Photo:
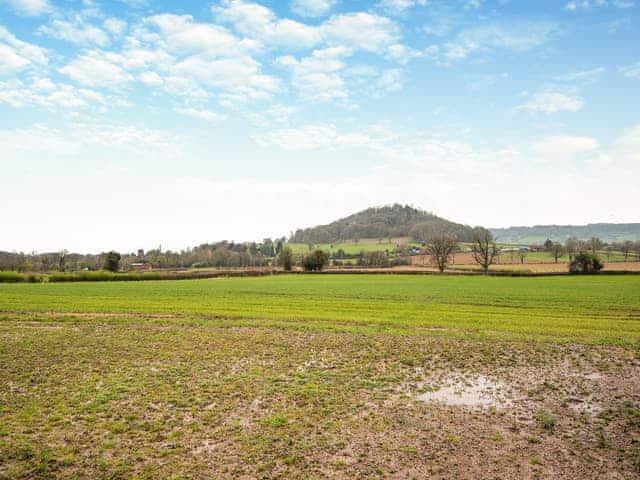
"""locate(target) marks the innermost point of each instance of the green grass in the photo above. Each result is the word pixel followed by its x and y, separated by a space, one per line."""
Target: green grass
pixel 595 309
pixel 352 247
pixel 313 376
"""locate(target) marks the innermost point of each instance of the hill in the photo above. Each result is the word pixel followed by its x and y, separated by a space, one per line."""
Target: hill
pixel 608 232
pixel 383 222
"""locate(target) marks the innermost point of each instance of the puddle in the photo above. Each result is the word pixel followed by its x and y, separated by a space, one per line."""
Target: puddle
pixel 584 406
pixel 478 392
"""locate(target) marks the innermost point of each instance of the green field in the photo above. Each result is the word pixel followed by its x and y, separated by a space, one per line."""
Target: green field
pixel 355 248
pixel 319 376
pixel 591 309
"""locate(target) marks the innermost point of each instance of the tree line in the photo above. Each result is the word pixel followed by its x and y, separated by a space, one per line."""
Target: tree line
pixel 219 254
pixel 440 247
pixel 584 256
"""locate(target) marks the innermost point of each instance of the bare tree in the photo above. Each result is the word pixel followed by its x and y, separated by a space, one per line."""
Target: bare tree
pixel 441 248
pixel 522 253
pixel 595 244
pixel 484 248
pixel 626 248
pixel 557 250
pixel 572 246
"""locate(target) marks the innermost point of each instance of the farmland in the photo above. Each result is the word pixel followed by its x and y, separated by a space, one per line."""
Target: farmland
pixel 321 376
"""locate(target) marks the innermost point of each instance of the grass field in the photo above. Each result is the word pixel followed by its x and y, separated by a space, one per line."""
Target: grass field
pixel 321 376
pixel 352 247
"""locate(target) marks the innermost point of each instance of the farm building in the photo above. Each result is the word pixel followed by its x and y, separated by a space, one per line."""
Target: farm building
pixel 141 267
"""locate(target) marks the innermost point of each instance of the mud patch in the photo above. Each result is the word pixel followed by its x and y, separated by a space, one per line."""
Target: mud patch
pixel 475 392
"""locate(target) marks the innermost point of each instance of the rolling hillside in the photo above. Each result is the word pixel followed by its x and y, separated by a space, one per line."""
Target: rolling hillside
pixel 383 222
pixel 608 232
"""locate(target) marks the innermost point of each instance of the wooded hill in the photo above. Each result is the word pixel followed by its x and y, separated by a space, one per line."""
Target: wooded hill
pixel 607 232
pixel 383 222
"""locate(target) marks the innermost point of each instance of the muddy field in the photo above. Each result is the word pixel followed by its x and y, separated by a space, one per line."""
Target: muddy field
pixel 290 377
pixel 465 260
pixel 132 400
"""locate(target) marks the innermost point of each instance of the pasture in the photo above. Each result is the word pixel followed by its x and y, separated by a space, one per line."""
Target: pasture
pixel 321 376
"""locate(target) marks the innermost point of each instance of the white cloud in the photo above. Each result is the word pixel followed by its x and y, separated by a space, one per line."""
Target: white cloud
pixel 519 37
pixel 403 54
pixel 312 137
pixel 577 5
pixel 115 26
pixel 45 93
pixel 400 6
pixel 276 114
pixel 77 33
pixel 30 8
pixel 201 114
pixel 184 87
pixel 95 68
pixel 551 102
pixel 626 150
pixel 180 34
pixel 318 77
pixel 391 80
pixel 564 147
pixel 632 71
pixel 38 139
pixel 16 55
pixel 311 8
pixel 586 76
pixel 190 58
pixel 241 75
pixel 361 30
pixel 130 136
pixel 151 78
pixel 260 23
pixel 83 137
pixel 413 168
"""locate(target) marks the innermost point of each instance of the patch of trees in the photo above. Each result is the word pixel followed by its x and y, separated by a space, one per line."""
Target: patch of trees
pixel 383 222
pixel 315 261
pixel 285 259
pixel 220 254
pixel 585 262
pixel 377 259
pixel 112 261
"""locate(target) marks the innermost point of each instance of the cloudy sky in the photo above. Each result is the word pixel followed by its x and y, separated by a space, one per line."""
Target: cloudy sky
pixel 127 124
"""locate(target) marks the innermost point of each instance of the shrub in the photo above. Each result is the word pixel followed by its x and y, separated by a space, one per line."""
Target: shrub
pixel 315 261
pixel 545 420
pixel 585 262
pixel 11 277
pixel 112 261
pixel 34 278
pixel 102 276
pixel 285 259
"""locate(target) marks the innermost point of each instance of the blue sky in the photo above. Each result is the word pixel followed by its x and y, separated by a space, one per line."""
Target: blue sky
pixel 126 124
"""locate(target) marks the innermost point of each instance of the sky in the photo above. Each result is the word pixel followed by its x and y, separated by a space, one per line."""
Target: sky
pixel 129 124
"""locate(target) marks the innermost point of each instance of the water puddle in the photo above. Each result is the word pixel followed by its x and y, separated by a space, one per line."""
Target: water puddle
pixel 478 392
pixel 584 406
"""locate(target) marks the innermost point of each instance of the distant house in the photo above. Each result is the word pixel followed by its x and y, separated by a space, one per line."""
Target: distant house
pixel 141 267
